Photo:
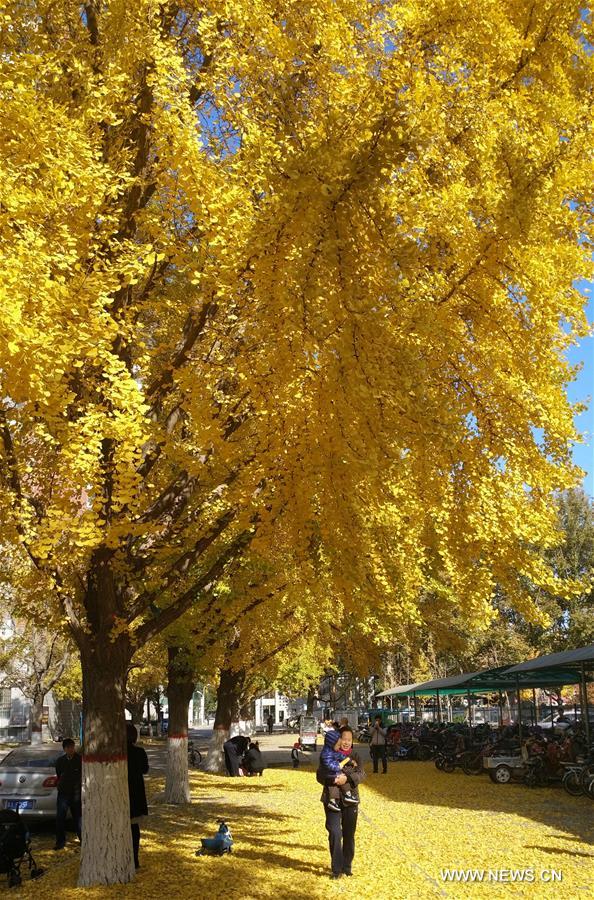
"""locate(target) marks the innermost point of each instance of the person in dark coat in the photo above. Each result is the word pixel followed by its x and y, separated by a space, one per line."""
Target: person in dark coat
pixel 69 772
pixel 234 750
pixel 341 827
pixel 138 767
pixel 253 760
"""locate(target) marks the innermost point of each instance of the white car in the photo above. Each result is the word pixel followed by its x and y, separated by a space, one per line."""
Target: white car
pixel 28 781
pixel 559 722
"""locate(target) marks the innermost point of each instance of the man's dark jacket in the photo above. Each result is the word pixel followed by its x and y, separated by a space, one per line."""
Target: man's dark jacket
pixel 69 772
pixel 138 766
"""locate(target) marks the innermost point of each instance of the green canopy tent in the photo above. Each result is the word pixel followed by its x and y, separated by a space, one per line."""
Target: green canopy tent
pixel 405 690
pixel 487 680
pixel 579 662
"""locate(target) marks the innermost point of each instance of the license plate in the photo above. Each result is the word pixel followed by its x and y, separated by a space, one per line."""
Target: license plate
pixel 19 804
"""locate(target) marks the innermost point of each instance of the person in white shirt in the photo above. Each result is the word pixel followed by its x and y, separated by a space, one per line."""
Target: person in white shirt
pixel 377 745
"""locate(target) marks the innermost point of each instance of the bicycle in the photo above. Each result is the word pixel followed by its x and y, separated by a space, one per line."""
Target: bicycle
pixel 572 779
pixel 587 776
pixel 194 755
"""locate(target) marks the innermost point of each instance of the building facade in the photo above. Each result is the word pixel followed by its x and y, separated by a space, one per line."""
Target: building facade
pixel 61 718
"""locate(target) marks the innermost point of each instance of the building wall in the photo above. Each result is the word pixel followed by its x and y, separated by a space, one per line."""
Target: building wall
pixel 275 704
pixel 63 717
pixel 14 715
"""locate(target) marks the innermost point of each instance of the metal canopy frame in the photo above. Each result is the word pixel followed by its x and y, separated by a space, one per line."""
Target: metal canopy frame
pixel 550 670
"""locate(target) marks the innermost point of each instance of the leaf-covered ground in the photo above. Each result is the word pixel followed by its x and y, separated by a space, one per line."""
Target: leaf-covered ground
pixel 414 822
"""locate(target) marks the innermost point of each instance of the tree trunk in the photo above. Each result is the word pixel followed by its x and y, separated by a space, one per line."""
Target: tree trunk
pixel 36 718
pixel 179 693
pixel 136 710
pixel 311 699
pixel 228 699
pixel 158 713
pixel 106 851
pixel 247 716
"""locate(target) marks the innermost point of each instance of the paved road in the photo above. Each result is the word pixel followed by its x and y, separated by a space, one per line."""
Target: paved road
pixel 276 749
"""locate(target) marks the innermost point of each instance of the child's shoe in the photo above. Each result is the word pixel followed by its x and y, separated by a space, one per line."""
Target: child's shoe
pixel 333 805
pixel 350 798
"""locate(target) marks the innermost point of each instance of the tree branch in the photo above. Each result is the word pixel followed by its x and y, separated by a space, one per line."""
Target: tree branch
pixel 182 564
pixel 205 584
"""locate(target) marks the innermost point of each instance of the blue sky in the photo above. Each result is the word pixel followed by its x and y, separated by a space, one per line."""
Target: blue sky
pixel 583 389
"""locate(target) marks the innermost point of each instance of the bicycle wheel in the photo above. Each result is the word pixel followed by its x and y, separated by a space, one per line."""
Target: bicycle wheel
pixel 448 765
pixel 424 753
pixel 472 763
pixel 587 779
pixel 194 758
pixel 572 783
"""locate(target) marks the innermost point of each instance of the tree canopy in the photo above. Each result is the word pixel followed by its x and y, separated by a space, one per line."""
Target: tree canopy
pixel 292 277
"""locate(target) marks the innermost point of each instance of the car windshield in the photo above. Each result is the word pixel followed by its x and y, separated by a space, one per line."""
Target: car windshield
pixel 31 759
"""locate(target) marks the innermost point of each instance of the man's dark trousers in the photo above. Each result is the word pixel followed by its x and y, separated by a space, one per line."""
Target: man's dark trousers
pixel 67 802
pixel 341 829
pixel 379 751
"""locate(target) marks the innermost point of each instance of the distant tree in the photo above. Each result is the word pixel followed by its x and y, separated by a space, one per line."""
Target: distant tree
pixel 33 660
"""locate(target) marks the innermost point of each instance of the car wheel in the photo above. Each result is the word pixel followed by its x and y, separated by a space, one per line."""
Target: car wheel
pixel 501 775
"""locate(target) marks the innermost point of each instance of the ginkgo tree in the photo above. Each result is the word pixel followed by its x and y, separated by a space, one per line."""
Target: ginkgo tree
pixel 266 622
pixel 279 267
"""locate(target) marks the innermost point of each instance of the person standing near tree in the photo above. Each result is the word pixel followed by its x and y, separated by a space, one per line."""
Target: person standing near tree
pixel 341 826
pixel 138 766
pixel 69 772
pixel 270 723
pixel 377 745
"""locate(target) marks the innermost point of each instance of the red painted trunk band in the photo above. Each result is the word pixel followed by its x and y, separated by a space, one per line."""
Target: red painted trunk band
pixel 180 735
pixel 104 757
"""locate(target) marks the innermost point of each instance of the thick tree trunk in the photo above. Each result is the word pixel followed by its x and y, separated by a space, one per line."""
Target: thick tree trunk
pixel 228 699
pixel 106 852
pixel 36 718
pixel 179 693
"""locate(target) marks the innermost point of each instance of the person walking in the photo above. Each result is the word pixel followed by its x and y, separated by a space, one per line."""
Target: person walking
pixel 69 772
pixel 377 745
pixel 341 826
pixel 270 723
pixel 138 766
